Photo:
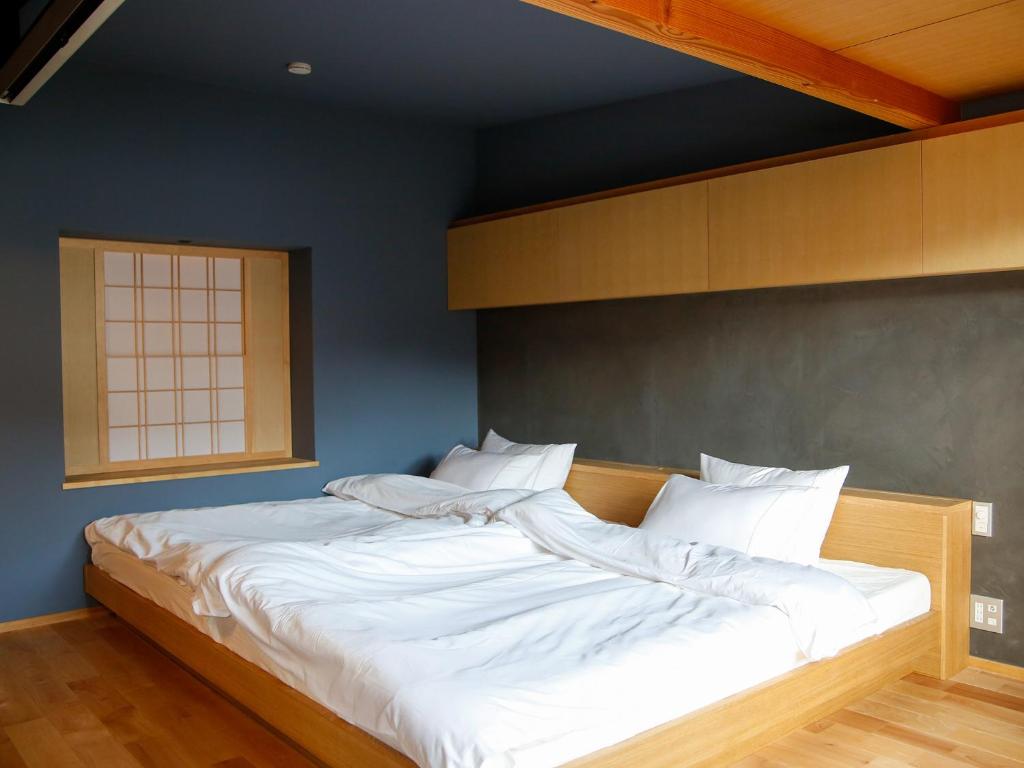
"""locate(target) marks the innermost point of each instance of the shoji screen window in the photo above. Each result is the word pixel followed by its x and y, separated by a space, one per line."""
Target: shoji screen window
pixel 174 357
pixel 173 349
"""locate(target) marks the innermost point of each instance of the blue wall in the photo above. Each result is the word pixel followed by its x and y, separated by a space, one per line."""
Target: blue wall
pixel 991 105
pixel 654 137
pixel 394 371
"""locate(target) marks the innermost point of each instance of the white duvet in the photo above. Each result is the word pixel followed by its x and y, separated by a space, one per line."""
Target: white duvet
pixel 502 628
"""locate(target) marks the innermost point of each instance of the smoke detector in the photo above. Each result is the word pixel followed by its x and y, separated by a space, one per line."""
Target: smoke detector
pixel 300 68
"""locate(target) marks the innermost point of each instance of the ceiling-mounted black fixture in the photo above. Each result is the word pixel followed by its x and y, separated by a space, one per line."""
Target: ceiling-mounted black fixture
pixel 33 55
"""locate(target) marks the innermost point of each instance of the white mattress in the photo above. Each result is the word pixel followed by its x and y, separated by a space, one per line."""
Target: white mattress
pixel 895 595
pixel 143 578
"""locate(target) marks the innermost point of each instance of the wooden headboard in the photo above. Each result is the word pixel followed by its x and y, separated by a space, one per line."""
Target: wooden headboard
pixel 927 534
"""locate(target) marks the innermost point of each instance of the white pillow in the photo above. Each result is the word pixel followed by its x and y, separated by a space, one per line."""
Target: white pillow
pixel 820 506
pixel 553 470
pixel 481 471
pixel 758 520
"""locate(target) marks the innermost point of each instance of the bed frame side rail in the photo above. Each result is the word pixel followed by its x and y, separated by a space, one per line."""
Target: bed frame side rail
pixel 927 534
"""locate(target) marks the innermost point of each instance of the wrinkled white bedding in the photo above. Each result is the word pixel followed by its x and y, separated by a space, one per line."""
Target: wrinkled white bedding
pixel 491 629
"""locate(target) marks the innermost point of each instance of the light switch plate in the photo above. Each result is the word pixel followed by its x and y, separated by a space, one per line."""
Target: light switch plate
pixel 987 613
pixel 981 519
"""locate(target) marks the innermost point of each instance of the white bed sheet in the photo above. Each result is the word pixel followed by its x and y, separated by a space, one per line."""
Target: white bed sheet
pixel 721 670
pixel 896 595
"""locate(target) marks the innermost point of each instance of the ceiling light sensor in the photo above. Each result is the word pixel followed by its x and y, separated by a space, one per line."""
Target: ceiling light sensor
pixel 300 68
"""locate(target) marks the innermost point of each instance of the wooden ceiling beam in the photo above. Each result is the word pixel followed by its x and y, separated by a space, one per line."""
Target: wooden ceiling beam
pixel 706 31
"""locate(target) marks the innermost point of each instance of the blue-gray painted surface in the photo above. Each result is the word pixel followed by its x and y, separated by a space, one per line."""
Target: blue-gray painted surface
pixel 149 158
pixel 471 62
pixel 655 137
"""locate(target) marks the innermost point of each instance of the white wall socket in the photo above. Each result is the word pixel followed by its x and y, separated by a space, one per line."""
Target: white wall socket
pixel 987 613
pixel 981 520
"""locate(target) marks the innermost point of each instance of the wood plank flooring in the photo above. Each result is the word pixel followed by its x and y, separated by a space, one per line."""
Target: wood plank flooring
pixel 975 719
pixel 92 693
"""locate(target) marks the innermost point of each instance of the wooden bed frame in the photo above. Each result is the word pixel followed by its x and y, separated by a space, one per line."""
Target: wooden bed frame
pixel 922 533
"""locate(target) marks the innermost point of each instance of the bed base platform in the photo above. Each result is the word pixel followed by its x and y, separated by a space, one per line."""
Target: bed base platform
pixel 921 533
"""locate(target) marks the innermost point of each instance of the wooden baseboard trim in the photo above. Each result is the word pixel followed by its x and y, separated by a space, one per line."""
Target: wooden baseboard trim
pixel 51 618
pixel 1011 671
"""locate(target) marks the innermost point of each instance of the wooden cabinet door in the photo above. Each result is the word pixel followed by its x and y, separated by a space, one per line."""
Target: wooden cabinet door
pixel 644 244
pixel 974 201
pixel 836 219
pixel 503 263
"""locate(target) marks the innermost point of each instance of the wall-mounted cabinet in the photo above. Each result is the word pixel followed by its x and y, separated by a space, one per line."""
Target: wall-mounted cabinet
pixel 919 204
pixel 645 244
pixel 504 262
pixel 974 201
pixel 850 217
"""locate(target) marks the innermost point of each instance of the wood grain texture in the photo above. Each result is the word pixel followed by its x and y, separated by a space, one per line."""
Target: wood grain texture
pixel 927 534
pixel 891 529
pixel 906 137
pixel 92 693
pixel 180 249
pixel 504 263
pixel 974 201
pixel 952 202
pixel 124 694
pixel 128 477
pixel 646 244
pixel 651 243
pixel 965 57
pixel 319 731
pixel 997 668
pixel 898 532
pixel 724 732
pixel 840 25
pixel 975 719
pixel 78 357
pixel 47 619
pixel 852 217
pixel 710 32
pixel 714 735
pixel 100 347
pixel 267 358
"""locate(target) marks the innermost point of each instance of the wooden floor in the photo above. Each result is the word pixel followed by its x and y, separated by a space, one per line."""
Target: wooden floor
pixel 93 693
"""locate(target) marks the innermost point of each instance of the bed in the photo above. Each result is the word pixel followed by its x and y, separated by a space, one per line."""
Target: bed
pixel 920 602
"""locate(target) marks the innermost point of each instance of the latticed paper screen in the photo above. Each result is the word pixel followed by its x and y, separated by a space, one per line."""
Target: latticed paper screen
pixel 173 345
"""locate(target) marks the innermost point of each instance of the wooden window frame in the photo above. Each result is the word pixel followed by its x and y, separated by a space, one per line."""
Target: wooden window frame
pixel 105 472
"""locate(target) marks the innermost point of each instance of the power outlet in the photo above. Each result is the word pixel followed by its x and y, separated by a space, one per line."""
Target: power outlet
pixel 987 613
pixel 981 520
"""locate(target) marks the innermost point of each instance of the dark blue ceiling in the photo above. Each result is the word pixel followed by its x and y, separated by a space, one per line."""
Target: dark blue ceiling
pixel 475 62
